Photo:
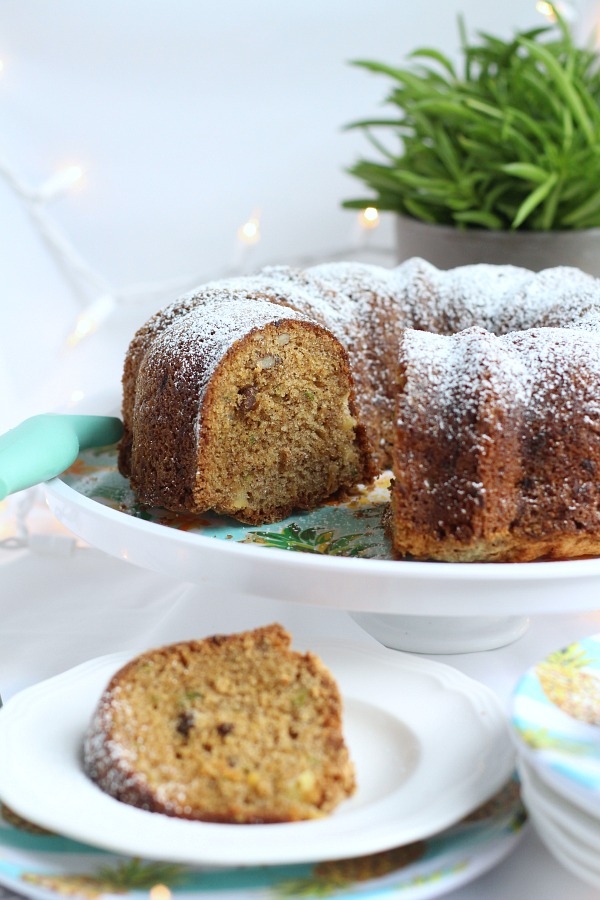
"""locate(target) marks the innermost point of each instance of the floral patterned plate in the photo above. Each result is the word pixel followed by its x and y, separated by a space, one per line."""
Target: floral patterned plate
pixel 44 866
pixel 556 719
pixel 353 528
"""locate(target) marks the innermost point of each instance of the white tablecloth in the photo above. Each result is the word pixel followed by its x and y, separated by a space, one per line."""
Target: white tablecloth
pixel 59 610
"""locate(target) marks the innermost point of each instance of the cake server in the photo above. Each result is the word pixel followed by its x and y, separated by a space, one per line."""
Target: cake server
pixel 45 445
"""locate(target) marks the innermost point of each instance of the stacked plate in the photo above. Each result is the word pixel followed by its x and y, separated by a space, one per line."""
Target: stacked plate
pixel 437 804
pixel 556 724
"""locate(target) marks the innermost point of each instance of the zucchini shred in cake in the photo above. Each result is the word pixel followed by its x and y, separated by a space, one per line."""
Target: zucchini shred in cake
pixel 233 728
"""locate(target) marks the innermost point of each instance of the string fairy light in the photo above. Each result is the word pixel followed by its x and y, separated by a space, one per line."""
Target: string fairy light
pixel 369 217
pixel 76 397
pixel 249 232
pixel 94 294
pixel 247 236
pixel 59 183
pixel 549 10
pixel 87 282
pixel 96 297
pixel 6 527
pixel 367 220
pixel 92 318
pixel 545 9
pixel 84 280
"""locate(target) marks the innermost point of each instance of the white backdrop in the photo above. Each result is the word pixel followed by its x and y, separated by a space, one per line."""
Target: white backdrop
pixel 187 118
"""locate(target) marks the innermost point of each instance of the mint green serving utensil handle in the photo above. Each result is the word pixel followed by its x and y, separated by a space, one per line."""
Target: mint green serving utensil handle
pixel 44 446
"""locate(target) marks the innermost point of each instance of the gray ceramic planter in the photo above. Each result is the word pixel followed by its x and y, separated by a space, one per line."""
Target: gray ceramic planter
pixel 447 247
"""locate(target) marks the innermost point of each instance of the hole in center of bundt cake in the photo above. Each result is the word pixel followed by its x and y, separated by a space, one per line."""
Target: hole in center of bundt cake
pixel 278 429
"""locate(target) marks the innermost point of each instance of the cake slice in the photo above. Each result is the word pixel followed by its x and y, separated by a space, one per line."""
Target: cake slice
pixel 234 728
pixel 244 408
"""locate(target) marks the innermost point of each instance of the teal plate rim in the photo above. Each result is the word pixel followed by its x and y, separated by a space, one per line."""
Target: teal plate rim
pixel 43 865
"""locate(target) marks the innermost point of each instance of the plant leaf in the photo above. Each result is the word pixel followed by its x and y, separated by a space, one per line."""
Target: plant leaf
pixel 563 83
pixel 592 205
pixel 372 123
pixel 526 170
pixel 513 142
pixel 486 108
pixel 429 53
pixel 534 200
pixel 479 217
pixel 419 210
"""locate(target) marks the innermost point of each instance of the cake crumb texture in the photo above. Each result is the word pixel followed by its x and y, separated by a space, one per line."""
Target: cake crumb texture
pixel 233 728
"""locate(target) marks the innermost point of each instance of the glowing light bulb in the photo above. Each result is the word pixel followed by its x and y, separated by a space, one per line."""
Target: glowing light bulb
pixel 91 319
pixel 160 892
pixel 249 232
pixel 84 326
pixel 61 182
pixel 546 9
pixel 369 217
pixel 75 397
pixel 549 9
pixel 73 174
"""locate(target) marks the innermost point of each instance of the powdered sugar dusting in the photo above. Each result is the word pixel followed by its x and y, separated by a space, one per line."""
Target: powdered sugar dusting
pixel 515 421
pixel 368 307
pixel 344 296
pixel 516 370
pixel 107 761
pixel 197 340
pixel 485 351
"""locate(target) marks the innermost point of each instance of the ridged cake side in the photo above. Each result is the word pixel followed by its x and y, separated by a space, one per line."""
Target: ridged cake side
pixel 498 446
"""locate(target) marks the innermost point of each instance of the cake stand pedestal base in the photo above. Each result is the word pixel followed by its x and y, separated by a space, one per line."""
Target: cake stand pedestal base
pixel 442 634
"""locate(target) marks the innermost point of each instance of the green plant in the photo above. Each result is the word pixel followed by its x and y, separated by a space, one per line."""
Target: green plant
pixel 513 142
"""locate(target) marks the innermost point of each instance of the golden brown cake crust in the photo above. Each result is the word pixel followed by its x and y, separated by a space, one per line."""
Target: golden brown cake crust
pixel 233 728
pixel 512 422
pixel 505 472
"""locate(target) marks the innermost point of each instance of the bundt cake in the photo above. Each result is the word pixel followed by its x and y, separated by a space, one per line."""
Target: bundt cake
pixel 478 386
pixel 233 728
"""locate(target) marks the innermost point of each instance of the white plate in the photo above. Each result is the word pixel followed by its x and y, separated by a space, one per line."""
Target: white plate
pixel 563 851
pixel 578 828
pixel 418 606
pixel 573 853
pixel 429 744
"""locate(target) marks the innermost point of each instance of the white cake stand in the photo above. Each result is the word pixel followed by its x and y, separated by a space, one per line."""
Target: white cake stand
pixel 414 606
